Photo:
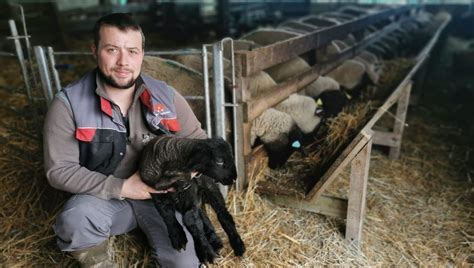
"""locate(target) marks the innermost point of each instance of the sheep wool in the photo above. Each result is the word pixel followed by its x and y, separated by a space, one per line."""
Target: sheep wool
pixel 349 74
pixel 303 111
pixel 260 84
pixel 322 84
pixel 271 126
pixel 285 70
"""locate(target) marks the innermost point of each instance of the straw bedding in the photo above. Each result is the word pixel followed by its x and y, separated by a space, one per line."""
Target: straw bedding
pixel 419 208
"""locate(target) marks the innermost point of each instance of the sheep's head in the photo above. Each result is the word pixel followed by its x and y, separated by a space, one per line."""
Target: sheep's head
pixel 214 158
pixel 280 150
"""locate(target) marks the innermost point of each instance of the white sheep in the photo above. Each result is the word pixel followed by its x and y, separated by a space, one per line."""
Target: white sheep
pixel 349 74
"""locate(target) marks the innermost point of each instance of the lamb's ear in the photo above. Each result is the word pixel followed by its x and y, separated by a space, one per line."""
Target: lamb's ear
pixel 199 158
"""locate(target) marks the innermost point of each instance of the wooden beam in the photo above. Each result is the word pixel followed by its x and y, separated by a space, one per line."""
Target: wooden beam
pixel 400 117
pixel 385 138
pixel 326 205
pixel 267 56
pixel 339 164
pixel 357 194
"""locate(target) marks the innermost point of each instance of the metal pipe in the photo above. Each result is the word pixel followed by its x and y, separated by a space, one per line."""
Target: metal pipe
pixel 44 74
pixel 27 42
pixel 218 76
pixel 7 54
pixel 234 106
pixel 21 59
pixel 205 72
pixel 219 100
pixel 55 73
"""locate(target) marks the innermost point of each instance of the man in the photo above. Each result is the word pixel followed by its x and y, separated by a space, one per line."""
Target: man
pixel 94 132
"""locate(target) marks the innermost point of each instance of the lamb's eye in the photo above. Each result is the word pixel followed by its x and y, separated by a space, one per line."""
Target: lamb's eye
pixel 220 162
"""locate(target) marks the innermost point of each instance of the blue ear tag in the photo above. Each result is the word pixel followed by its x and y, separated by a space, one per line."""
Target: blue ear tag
pixel 296 144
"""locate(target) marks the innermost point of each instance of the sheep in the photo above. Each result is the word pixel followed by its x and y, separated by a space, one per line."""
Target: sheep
pixel 321 84
pixel 327 91
pixel 167 162
pixel 304 112
pixel 350 75
pixel 279 134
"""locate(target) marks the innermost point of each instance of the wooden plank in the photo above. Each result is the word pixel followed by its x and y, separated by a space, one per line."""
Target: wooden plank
pixel 385 138
pixel 265 57
pixel 326 205
pixel 339 164
pixel 280 92
pixel 357 194
pixel 400 117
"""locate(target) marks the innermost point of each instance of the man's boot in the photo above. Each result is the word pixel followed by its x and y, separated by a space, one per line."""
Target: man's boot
pixel 95 257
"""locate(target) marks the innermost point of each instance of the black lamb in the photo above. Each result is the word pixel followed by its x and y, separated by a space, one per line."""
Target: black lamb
pixel 169 161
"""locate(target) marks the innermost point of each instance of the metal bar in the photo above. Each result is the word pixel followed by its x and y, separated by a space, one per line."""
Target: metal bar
pixel 7 54
pixel 28 44
pixel 219 100
pixel 21 59
pixel 219 90
pixel 44 74
pixel 264 57
pixel 205 72
pixel 235 117
pixel 55 73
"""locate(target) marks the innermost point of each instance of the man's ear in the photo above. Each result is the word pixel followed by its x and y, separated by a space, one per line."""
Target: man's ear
pixel 94 51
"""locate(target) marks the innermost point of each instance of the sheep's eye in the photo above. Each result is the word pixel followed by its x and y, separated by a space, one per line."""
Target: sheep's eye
pixel 219 162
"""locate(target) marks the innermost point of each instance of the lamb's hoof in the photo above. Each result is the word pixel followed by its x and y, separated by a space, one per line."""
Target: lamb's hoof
pixel 206 256
pixel 238 247
pixel 216 243
pixel 179 240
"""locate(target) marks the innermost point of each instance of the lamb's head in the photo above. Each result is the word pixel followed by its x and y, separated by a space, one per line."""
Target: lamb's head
pixel 213 157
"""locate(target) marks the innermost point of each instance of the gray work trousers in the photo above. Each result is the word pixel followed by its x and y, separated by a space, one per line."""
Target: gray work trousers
pixel 86 221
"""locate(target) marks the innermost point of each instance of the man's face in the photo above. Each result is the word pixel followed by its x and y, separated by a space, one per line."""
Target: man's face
pixel 119 56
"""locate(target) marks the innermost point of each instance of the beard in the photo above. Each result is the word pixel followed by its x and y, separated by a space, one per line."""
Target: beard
pixel 109 80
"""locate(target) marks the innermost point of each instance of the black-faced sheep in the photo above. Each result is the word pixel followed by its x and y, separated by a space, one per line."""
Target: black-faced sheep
pixel 327 91
pixel 279 134
pixel 169 161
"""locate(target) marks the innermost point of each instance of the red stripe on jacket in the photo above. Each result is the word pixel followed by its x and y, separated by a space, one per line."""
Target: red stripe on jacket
pixel 85 134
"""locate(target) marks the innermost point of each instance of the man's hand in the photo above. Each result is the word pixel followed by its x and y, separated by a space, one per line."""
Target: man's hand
pixel 135 188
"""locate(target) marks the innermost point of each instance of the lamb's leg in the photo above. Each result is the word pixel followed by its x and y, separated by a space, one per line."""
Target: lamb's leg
pixel 210 232
pixel 175 230
pixel 193 221
pixel 217 202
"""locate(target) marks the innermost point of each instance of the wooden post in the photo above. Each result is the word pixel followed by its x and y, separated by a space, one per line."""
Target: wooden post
pixel 357 194
pixel 400 118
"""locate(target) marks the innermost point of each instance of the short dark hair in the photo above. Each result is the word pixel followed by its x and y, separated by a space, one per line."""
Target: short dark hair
pixel 123 21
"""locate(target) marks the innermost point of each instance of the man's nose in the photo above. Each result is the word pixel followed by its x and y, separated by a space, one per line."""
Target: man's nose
pixel 122 59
